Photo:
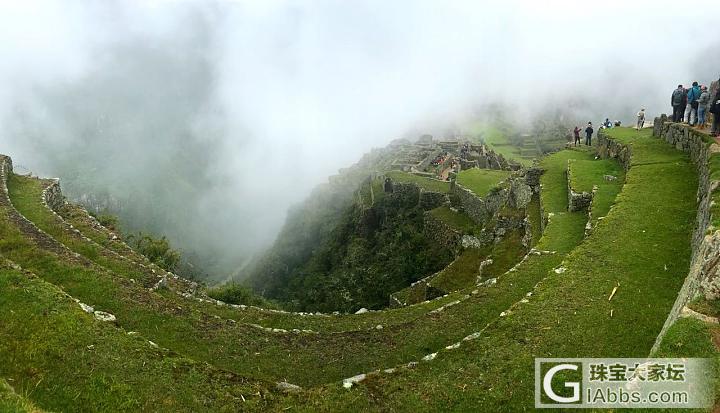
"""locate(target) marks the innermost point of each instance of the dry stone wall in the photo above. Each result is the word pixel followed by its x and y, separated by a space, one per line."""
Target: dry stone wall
pixel 442 233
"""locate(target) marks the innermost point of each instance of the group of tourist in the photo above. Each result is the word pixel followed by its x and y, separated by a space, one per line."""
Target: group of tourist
pixel 692 105
pixel 588 134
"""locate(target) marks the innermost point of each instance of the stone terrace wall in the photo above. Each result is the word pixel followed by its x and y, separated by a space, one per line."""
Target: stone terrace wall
pixel 53 195
pixel 410 194
pixel 479 209
pixel 442 233
pixel 704 274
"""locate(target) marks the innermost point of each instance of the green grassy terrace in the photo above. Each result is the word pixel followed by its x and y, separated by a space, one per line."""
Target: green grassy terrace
pixel 456 220
pixel 428 184
pixel 569 314
pixel 549 304
pixel 481 181
pixel 189 332
pixel 498 141
pixel 584 174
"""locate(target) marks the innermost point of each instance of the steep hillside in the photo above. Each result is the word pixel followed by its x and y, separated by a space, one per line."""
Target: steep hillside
pixel 86 323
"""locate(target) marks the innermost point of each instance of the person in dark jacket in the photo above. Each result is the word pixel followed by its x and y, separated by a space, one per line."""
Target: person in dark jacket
pixel 588 134
pixel 676 101
pixel 576 133
pixel 715 110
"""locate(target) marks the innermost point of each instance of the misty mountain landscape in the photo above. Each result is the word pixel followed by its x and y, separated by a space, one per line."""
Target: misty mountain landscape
pixel 365 206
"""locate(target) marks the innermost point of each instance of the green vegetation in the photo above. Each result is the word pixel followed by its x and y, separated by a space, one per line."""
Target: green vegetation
pixel 481 181
pixel 428 184
pixel 80 220
pixel 501 139
pixel 456 220
pixel 109 221
pixel 585 174
pixel 80 362
pixel 11 402
pixel 569 314
pixel 157 250
pixel 234 293
pixel 552 303
pixel 372 253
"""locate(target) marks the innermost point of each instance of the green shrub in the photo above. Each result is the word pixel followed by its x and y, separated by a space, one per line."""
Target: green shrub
pixel 234 293
pixel 109 221
pixel 157 250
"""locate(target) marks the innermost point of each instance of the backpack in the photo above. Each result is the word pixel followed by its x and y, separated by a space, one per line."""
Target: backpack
pixel 677 97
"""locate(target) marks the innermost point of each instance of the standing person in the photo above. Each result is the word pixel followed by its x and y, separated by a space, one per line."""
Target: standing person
pixel 676 100
pixel 641 119
pixel 588 134
pixel 683 107
pixel 715 110
pixel 693 94
pixel 703 101
pixel 576 133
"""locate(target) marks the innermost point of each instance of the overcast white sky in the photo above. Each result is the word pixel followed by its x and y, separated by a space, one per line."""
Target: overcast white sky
pixel 294 90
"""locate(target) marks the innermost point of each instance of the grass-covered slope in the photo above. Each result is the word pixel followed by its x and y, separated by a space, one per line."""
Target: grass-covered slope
pixel 481 181
pixel 115 292
pixel 11 402
pixel 64 360
pixel 569 314
pixel 553 303
pixel 428 184
pixel 607 175
pixel 456 220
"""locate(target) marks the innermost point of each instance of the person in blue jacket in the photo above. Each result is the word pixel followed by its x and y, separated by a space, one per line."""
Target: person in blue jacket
pixel 693 95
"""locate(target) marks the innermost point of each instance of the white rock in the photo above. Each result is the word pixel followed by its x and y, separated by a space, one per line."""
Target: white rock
pixel 430 357
pixel 349 382
pixel 472 336
pixel 379 327
pixel 103 316
pixel 560 270
pixel 86 307
pixel 286 387
pixel 361 311
pixel 488 282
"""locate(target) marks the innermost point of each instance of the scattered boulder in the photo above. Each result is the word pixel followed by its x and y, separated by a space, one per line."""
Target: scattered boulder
pixel 349 382
pixel 88 309
pixel 286 387
pixel 103 316
pixel 610 178
pixel 469 241
pixel 362 311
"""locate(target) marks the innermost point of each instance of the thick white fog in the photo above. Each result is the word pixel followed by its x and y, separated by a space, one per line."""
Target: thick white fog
pixel 233 111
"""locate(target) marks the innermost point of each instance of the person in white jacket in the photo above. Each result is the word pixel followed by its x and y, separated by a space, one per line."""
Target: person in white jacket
pixel 641 119
pixel 703 106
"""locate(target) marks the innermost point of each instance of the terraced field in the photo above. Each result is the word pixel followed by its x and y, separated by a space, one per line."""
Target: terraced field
pixel 171 348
